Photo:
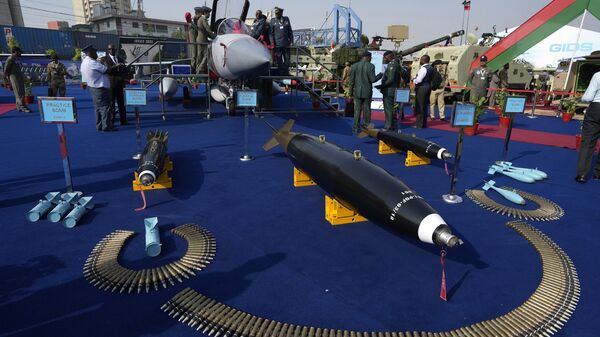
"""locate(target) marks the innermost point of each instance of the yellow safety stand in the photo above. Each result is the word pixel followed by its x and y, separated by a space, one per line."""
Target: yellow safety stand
pixel 338 214
pixel 163 181
pixel 302 179
pixel 384 148
pixel 413 159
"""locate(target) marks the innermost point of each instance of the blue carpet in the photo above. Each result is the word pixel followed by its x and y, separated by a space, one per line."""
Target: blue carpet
pixel 277 257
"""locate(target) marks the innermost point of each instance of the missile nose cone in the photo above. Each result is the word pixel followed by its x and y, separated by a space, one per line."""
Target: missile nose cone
pixel 446 155
pixel 247 57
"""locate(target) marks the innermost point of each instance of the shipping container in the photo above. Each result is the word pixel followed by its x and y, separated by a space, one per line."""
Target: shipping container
pixel 98 40
pixel 37 40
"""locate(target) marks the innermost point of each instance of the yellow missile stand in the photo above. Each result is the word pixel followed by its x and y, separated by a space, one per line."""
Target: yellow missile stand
pixel 302 179
pixel 384 148
pixel 163 181
pixel 338 214
pixel 412 159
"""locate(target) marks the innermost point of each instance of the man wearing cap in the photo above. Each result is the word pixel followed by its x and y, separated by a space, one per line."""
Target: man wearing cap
pixel 480 80
pixel 56 76
pixel 14 77
pixel 389 83
pixel 117 83
pixel 204 32
pixel 281 36
pixel 193 34
pixel 95 74
pixel 362 77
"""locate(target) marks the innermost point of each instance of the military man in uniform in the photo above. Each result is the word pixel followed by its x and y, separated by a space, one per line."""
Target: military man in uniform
pixel 56 77
pixel 260 28
pixel 480 80
pixel 14 76
pixel 389 83
pixel 362 77
pixel 503 74
pixel 204 32
pixel 281 36
pixel 193 34
pixel 346 78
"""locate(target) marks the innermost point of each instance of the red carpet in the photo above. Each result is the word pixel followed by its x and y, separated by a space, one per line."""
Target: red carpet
pixel 518 135
pixel 6 107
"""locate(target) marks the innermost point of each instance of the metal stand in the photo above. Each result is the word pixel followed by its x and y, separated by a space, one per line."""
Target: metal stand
pixel 452 198
pixel 138 135
pixel 64 152
pixel 507 138
pixel 246 156
pixel 535 98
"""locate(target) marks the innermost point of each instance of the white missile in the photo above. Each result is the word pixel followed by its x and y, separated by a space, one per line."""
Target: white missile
pixel 168 87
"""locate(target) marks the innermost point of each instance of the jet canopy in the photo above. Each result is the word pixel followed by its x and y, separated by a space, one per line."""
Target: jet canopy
pixel 232 26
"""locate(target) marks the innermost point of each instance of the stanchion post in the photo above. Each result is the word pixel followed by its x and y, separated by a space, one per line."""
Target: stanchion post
pixel 246 99
pixel 64 152
pixel 246 156
pixel 138 134
pixel 136 98
pixel 452 198
pixel 535 98
pixel 507 137
pixel 514 105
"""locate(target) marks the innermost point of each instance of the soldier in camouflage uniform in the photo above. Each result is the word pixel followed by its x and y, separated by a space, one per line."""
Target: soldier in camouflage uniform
pixel 56 77
pixel 480 80
pixel 204 32
pixel 14 77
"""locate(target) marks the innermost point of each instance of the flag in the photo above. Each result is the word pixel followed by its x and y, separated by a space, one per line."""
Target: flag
pixel 467 5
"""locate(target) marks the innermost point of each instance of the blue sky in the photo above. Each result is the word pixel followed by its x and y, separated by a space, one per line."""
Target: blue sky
pixel 427 19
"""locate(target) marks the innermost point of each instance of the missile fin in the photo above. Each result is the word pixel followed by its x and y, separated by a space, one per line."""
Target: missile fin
pixel 271 143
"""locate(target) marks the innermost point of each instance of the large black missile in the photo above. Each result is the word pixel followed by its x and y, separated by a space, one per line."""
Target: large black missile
pixel 152 161
pixel 407 143
pixel 361 185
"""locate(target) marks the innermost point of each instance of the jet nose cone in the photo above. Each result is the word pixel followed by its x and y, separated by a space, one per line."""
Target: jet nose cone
pixel 247 57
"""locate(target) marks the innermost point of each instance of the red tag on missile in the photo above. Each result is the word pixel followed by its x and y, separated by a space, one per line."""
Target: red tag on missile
pixel 143 199
pixel 443 287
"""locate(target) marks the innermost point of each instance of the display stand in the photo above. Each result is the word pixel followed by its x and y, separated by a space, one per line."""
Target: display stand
pixel 136 98
pixel 60 110
pixel 414 159
pixel 302 179
pixel 247 99
pixel 463 115
pixel 513 105
pixel 535 98
pixel 163 181
pixel 338 214
pixel 401 97
pixel 384 148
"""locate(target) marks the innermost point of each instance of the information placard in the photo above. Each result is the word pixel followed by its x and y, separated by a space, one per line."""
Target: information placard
pixel 246 98
pixel 136 97
pixel 463 115
pixel 402 96
pixel 515 104
pixel 181 69
pixel 57 109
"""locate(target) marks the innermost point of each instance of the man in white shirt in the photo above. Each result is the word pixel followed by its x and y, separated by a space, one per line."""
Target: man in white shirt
pixel 590 131
pixel 95 74
pixel 422 92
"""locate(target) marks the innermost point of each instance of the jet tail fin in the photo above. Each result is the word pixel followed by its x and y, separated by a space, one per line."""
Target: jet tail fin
pixel 363 133
pixel 272 142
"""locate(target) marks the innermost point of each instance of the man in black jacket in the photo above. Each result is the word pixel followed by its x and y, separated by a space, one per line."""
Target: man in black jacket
pixel 117 82
pixel 260 28
pixel 422 92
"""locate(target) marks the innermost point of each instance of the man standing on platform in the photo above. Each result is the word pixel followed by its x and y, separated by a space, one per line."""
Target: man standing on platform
pixel 590 131
pixel 95 73
pixel 204 32
pixel 480 80
pixel 362 77
pixel 282 37
pixel 117 83
pixel 56 77
pixel 193 34
pixel 260 28
pixel 389 83
pixel 14 77
pixel 422 92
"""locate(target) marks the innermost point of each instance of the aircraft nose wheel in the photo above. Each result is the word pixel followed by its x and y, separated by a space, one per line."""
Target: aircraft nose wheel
pixel 230 107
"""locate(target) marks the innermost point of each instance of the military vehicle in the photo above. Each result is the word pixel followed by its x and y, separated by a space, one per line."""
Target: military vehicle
pixel 581 73
pixel 458 60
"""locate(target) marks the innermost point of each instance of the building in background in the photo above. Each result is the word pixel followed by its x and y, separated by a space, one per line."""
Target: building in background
pixel 10 13
pixel 131 25
pixel 58 25
pixel 85 10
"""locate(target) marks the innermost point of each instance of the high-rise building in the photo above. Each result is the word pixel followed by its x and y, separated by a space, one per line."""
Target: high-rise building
pixel 10 13
pixel 84 9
